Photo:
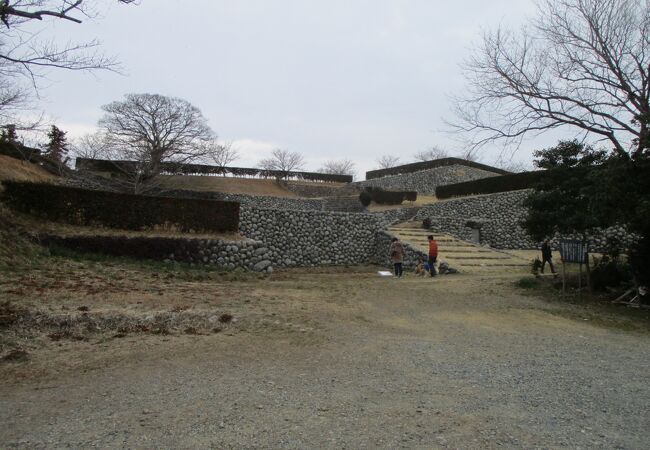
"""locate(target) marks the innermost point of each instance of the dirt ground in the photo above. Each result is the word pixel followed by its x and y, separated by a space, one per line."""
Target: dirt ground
pixel 130 355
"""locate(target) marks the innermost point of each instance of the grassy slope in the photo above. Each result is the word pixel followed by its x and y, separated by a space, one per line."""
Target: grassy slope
pixel 16 248
pixel 230 185
pixel 14 169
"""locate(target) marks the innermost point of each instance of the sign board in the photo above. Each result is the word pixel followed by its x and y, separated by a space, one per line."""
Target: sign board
pixel 573 250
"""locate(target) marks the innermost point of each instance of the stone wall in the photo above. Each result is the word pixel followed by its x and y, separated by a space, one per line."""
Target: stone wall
pixel 311 238
pixel 260 201
pixel 426 181
pixel 499 217
pixel 392 216
pixel 382 258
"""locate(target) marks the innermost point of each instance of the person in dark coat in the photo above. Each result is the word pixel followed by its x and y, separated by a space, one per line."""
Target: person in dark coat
pixel 547 256
pixel 397 253
pixel 433 255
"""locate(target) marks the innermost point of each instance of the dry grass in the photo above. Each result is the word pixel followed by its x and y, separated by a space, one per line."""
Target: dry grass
pixel 16 248
pixel 64 305
pixel 230 185
pixel 16 170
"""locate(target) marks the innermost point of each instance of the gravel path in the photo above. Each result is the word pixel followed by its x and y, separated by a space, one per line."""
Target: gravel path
pixel 449 363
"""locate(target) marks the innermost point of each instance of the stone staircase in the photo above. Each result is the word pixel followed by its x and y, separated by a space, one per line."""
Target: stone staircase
pixel 346 199
pixel 465 256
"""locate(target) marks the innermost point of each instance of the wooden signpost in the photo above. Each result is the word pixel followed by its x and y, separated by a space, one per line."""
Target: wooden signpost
pixel 576 251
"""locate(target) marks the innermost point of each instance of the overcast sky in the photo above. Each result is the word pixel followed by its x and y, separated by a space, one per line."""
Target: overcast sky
pixel 330 79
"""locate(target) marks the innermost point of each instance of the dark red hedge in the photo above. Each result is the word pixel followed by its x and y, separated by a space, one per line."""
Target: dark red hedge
pixel 115 166
pixel 156 248
pixel 121 211
pixel 378 195
pixel 491 185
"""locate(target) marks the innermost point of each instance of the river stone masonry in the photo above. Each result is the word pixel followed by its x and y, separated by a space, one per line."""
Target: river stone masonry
pixel 382 258
pixel 312 238
pixel 499 217
pixel 246 254
pixel 426 181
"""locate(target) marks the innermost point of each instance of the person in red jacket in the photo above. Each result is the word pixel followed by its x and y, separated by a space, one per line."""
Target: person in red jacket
pixel 433 254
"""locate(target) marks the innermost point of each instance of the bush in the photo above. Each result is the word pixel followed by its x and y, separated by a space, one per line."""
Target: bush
pixel 535 266
pixel 365 198
pixel 610 273
pixel 492 185
pixel 123 211
pixel 380 196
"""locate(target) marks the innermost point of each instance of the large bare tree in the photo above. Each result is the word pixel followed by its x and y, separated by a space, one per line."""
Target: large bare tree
pixel 582 64
pixel 152 129
pixel 27 54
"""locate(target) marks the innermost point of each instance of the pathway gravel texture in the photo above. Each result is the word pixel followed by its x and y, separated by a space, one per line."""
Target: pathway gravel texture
pixel 456 362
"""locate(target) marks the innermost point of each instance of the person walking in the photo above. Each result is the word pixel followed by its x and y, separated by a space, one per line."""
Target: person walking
pixel 396 253
pixel 433 254
pixel 547 256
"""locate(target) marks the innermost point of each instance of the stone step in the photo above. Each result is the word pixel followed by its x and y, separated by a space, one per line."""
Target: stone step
pixel 475 257
pixel 517 266
pixel 462 255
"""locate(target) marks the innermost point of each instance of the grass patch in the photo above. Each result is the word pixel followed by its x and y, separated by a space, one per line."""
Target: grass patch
pixel 579 306
pixel 528 283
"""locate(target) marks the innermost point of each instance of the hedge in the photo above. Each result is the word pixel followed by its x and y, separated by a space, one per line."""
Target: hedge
pixel 491 185
pixel 122 211
pixel 378 195
pixel 156 248
pixel 170 168
pixel 416 167
pixel 18 151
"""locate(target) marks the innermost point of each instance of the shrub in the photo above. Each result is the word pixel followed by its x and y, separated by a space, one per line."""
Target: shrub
pixel 123 211
pixel 535 266
pixel 378 195
pixel 610 273
pixel 365 198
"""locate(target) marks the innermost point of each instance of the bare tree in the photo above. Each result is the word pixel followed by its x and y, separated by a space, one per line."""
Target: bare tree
pixel 339 167
pixel 26 56
pixel 387 161
pixel 221 155
pixel 511 165
pixel 433 152
pixel 92 146
pixel 152 129
pixel 283 161
pixel 583 64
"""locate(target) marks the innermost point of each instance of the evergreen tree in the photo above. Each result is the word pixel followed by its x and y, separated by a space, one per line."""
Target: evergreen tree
pixel 57 147
pixel 8 134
